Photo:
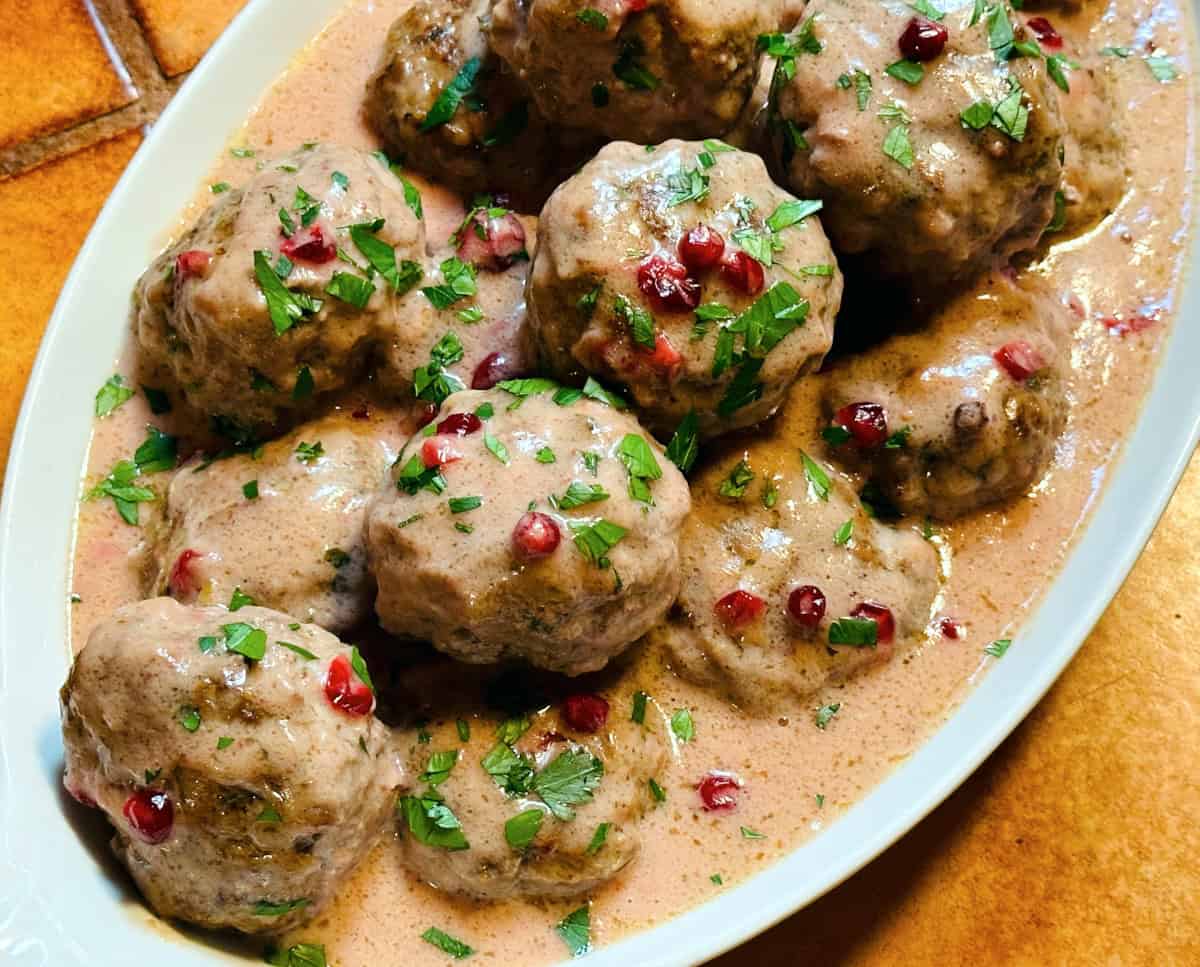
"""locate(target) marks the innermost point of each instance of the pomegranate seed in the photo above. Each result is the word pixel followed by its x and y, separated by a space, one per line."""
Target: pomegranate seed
pixel 1044 31
pixel 345 690
pixel 1019 359
pixel 362 413
pixel 550 738
pixel 885 624
pixel 923 39
pixel 192 264
pixel 865 422
pixel 664 357
pixel 151 814
pixel 742 271
pixel 719 792
pixel 1135 323
pixel 701 248
pixel 437 451
pixel 80 796
pixel 535 536
pixel 950 629
pixel 806 605
pixel 491 243
pixel 585 713
pixel 635 6
pixel 493 368
pixel 428 412
pixel 738 608
pixel 309 245
pixel 183 581
pixel 665 282
pixel 460 424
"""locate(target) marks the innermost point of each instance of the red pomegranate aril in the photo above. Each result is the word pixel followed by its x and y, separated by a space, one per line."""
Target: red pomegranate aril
pixel 664 357
pixel 362 413
pixel 806 605
pixel 151 814
pixel 923 39
pixel 491 242
pixel 635 6
pixel 345 690
pixel 491 370
pixel 309 245
pixel 460 424
pixel 1044 31
pixel 1019 359
pixel 739 608
pixel 742 271
pixel 885 624
pixel 701 248
pixel 1123 326
pixel 427 415
pixel 666 283
pixel 192 264
pixel 437 451
pixel 719 792
pixel 585 713
pixel 865 422
pixel 535 536
pixel 183 582
pixel 950 629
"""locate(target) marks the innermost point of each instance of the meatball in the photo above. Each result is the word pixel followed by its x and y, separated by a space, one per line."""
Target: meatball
pixel 533 524
pixel 685 274
pixel 443 102
pixel 252 314
pixel 632 69
pixel 932 153
pixel 235 755
pixel 284 527
pixel 788 584
pixel 467 324
pixel 516 834
pixel 962 414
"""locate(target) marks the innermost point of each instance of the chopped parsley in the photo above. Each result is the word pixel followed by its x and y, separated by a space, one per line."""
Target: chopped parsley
pixel 382 258
pixel 432 822
pixel 298 955
pixel 245 640
pixel 638 458
pixel 684 446
pixel 250 489
pixel 818 480
pixel 843 534
pixel 439 767
pixel 520 830
pixel 309 452
pixel 112 394
pixel 269 908
pixel 453 94
pixel 734 486
pixel 998 647
pixel 576 931
pixel 189 717
pixel 458 283
pixel 639 708
pixel 239 599
pixel 599 838
pixel 826 713
pixel 596 539
pixel 568 780
pixel 578 494
pixel 447 944
pixel 854 632
pixel 591 17
pixel 630 71
pixel 431 382
pixel 683 726
pixel 461 505
pixel 285 307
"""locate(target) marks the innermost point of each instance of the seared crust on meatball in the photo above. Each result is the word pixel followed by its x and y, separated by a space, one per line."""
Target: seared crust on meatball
pixel 528 527
pixel 636 70
pixel 616 291
pixel 766 525
pixel 930 171
pixel 513 841
pixel 284 525
pixel 500 143
pixel 976 401
pixel 250 336
pixel 240 796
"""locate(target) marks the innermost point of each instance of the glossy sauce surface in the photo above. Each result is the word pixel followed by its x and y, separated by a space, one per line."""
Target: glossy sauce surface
pixel 797 778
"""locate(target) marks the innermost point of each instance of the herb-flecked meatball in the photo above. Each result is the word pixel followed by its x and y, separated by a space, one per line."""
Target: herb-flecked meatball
pixel 284 526
pixel 788 584
pixel 637 70
pixel 962 414
pixel 531 522
pixel 236 756
pixel 252 314
pixel 685 274
pixel 545 804
pixel 465 327
pixel 443 102
pixel 936 146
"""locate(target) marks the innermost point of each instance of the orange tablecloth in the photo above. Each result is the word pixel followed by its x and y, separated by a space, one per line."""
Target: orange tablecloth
pixel 1077 842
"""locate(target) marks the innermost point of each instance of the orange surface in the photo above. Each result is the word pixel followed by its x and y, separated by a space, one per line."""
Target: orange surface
pixel 40 94
pixel 1077 842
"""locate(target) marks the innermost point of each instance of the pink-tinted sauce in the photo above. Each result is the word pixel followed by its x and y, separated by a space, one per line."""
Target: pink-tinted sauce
pixel 797 778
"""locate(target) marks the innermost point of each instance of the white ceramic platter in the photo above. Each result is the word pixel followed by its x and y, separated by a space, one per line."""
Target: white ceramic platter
pixel 58 904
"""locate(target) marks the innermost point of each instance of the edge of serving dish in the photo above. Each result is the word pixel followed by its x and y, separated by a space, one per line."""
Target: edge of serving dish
pixel 60 906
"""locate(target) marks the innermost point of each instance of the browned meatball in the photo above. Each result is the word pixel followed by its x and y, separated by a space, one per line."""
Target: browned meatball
pixel 685 274
pixel 788 584
pixel 962 414
pixel 929 167
pixel 451 110
pixel 636 70
pixel 252 315
pixel 235 755
pixel 528 523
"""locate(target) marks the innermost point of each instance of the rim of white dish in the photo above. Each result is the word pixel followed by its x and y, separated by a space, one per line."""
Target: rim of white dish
pixel 59 905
